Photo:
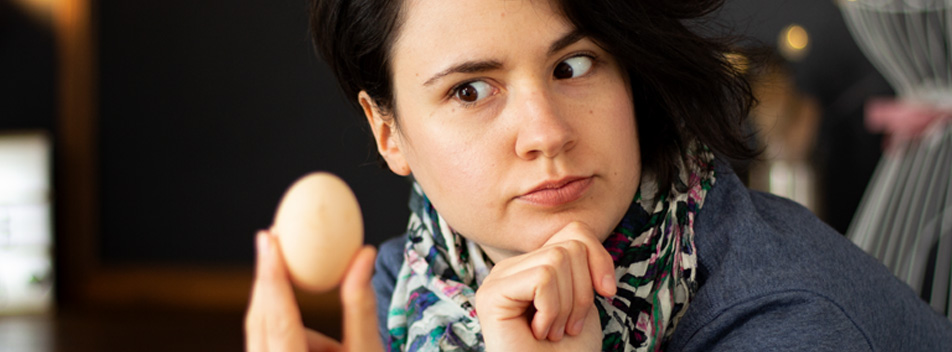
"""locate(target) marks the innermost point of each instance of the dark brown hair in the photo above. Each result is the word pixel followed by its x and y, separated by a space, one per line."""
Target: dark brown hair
pixel 684 89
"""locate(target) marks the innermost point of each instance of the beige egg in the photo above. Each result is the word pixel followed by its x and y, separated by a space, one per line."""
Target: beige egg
pixel 319 229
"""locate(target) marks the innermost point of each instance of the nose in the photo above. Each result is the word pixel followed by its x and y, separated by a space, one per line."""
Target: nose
pixel 542 128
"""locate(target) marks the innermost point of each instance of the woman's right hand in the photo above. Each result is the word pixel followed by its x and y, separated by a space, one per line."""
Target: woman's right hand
pixel 544 299
pixel 273 321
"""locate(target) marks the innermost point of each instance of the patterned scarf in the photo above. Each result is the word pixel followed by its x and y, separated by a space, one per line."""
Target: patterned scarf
pixel 432 307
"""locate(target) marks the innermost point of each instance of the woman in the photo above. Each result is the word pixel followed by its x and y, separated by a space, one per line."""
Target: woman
pixel 570 195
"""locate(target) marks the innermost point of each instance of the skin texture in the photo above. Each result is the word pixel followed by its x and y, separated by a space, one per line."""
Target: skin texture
pixel 491 104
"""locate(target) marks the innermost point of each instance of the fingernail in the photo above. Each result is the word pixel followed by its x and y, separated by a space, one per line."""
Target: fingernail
pixel 262 243
pixel 577 328
pixel 608 282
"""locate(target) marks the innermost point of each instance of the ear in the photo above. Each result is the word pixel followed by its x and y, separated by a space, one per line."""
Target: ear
pixel 385 134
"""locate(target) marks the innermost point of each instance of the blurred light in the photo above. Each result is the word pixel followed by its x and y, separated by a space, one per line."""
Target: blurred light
pixel 39 9
pixel 38 5
pixel 797 37
pixel 26 236
pixel 793 42
pixel 24 175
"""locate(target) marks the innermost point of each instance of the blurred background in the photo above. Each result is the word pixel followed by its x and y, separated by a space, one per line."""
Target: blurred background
pixel 142 144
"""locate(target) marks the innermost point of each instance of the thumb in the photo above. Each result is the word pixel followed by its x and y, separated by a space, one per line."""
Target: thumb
pixel 360 304
pixel 273 322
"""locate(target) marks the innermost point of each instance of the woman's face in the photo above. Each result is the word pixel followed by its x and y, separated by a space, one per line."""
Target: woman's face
pixel 513 123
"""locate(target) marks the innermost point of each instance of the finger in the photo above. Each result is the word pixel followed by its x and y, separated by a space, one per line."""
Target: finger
pixel 317 342
pixel 255 332
pixel 602 270
pixel 503 301
pixel 561 259
pixel 543 279
pixel 582 295
pixel 274 322
pixel 545 296
pixel 360 304
pixel 600 264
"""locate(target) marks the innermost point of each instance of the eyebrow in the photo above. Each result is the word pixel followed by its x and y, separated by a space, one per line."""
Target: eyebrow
pixel 488 65
pixel 465 67
pixel 566 40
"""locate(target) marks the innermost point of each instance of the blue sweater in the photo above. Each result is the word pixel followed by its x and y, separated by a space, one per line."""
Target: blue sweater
pixel 773 277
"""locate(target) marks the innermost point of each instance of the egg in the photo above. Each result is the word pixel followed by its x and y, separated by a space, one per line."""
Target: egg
pixel 319 229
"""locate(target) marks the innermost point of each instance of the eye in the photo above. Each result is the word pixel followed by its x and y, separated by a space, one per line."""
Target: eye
pixel 573 67
pixel 471 92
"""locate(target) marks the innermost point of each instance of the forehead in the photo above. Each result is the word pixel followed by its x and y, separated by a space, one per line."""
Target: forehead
pixel 440 31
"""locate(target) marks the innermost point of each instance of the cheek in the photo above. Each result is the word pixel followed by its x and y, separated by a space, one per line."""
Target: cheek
pixel 451 161
pixel 472 176
pixel 617 140
pixel 619 129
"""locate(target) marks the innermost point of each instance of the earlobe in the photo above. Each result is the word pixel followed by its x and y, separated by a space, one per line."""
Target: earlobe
pixel 385 134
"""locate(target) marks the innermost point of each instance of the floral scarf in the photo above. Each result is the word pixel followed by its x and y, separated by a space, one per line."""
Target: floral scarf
pixel 432 307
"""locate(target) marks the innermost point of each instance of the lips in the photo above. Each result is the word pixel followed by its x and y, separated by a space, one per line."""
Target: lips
pixel 557 192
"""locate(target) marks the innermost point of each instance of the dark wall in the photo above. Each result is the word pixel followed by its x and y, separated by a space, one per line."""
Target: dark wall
pixel 27 70
pixel 209 110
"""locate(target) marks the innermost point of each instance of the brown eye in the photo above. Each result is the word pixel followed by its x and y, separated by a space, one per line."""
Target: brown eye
pixel 472 92
pixel 573 67
pixel 563 70
pixel 468 94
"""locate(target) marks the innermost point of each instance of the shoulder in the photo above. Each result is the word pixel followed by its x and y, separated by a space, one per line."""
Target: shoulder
pixel 788 320
pixel 387 266
pixel 390 255
pixel 772 272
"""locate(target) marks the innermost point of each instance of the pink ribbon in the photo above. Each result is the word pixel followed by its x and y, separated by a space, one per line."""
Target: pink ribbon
pixel 902 120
